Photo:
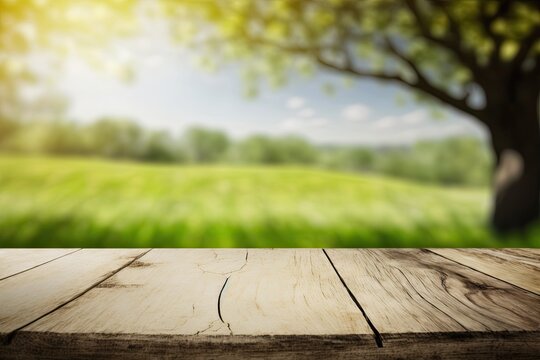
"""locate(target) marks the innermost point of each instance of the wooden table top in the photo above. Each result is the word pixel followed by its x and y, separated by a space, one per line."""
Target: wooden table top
pixel 262 303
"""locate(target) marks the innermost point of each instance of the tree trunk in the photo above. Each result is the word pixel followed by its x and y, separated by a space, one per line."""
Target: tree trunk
pixel 515 133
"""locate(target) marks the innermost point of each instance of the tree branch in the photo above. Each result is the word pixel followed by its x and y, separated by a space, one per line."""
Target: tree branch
pixel 450 43
pixel 424 84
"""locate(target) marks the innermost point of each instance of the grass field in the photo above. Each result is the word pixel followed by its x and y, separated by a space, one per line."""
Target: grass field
pixel 55 202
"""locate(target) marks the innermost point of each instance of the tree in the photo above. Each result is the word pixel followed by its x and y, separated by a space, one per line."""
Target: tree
pixel 481 58
pixel 116 138
pixel 160 146
pixel 289 149
pixel 205 145
pixel 258 149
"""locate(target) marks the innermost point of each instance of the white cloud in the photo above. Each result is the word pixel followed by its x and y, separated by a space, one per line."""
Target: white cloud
pixel 306 113
pixel 317 122
pixel 355 112
pixel 295 102
pixel 295 124
pixel 291 124
pixel 387 122
pixel 456 129
pixel 415 117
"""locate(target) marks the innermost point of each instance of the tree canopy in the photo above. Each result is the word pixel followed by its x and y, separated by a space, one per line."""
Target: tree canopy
pixel 445 50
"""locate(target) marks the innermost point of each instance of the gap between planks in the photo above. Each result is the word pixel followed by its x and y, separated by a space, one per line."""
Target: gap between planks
pixel 9 338
pixel 378 337
pixel 40 264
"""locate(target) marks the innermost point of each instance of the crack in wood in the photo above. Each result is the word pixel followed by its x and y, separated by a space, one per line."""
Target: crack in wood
pixel 223 288
pixel 377 335
pixel 219 305
pixel 206 329
pixel 200 267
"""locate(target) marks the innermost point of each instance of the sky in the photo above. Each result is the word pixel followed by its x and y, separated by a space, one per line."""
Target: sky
pixel 171 93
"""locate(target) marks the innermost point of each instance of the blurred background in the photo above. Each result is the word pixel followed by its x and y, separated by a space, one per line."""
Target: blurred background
pixel 119 129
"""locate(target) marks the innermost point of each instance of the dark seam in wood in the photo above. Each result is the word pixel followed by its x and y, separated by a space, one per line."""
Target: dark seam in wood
pixel 9 337
pixel 491 276
pixel 38 265
pixel 378 337
pixel 219 305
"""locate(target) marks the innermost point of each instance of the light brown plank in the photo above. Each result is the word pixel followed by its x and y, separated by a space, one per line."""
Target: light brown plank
pixel 14 261
pixel 520 267
pixel 414 294
pixel 167 291
pixel 29 295
pixel 287 301
pixel 287 292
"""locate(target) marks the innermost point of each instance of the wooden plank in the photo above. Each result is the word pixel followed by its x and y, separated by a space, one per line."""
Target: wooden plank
pixel 167 291
pixel 413 295
pixel 285 292
pixel 193 300
pixel 32 294
pixel 516 266
pixel 14 261
pixel 287 303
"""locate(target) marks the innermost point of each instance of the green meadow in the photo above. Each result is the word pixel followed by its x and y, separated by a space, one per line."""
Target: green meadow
pixel 81 202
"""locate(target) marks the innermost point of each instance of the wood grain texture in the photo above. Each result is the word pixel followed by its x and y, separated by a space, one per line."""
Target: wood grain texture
pixel 279 304
pixel 286 292
pixel 167 291
pixel 14 261
pixel 411 291
pixel 29 295
pixel 520 267
pixel 216 292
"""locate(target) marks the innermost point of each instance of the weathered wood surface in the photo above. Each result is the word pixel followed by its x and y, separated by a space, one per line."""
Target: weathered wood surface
pixel 26 297
pixel 15 261
pixel 219 292
pixel 520 267
pixel 417 291
pixel 289 292
pixel 260 303
pixel 413 296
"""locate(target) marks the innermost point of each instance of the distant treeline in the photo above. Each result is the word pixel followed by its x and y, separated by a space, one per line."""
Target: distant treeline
pixel 458 160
